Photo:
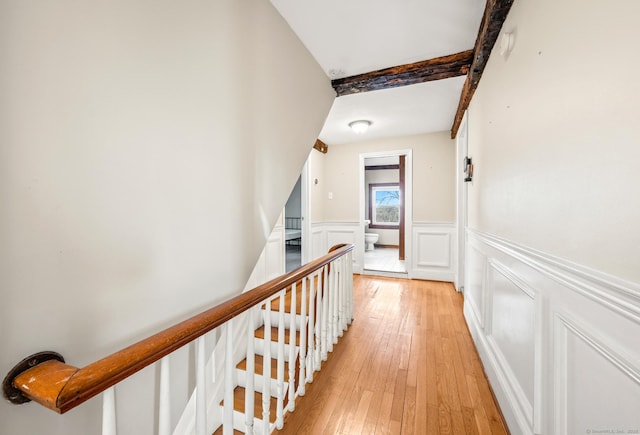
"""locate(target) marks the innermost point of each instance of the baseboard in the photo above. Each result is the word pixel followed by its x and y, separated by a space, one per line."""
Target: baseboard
pixel 433 275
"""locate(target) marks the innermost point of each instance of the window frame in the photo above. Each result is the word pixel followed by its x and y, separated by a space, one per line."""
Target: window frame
pixel 373 187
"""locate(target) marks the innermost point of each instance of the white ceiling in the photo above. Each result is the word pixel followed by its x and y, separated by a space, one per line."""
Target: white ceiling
pixel 349 37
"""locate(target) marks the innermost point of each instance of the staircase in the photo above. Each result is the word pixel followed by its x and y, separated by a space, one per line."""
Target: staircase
pixel 266 356
pixel 266 345
pixel 282 394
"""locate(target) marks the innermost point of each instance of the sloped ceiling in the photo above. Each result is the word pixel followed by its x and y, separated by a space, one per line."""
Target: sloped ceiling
pixel 350 37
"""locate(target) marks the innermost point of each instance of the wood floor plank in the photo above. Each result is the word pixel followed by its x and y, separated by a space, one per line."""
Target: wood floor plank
pixel 407 365
pixel 469 421
pixel 385 414
pixel 482 421
pixel 409 411
pixel 432 420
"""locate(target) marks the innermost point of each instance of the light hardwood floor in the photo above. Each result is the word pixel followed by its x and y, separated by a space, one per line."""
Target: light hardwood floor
pixel 407 365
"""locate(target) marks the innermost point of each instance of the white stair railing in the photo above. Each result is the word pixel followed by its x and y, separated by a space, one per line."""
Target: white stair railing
pixel 325 292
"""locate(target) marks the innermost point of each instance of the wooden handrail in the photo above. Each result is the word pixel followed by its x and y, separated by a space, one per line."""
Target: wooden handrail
pixel 61 387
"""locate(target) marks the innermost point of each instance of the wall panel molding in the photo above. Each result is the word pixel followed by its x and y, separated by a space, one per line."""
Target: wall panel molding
pixel 326 234
pixel 433 251
pixel 524 403
pixel 585 335
pixel 620 295
pixel 432 247
pixel 566 328
pixel 475 294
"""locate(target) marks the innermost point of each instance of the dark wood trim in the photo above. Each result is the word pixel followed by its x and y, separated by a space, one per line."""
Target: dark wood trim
pixel 439 68
pixel 61 387
pixel 495 13
pixel 378 245
pixel 379 167
pixel 321 146
pixel 381 226
pixel 402 214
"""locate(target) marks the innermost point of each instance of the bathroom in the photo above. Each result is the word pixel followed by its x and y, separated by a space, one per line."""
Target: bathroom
pixel 384 214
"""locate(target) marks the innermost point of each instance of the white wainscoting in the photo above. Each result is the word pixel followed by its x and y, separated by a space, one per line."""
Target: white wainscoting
pixel 560 342
pixel 324 235
pixel 271 262
pixel 432 247
pixel 433 251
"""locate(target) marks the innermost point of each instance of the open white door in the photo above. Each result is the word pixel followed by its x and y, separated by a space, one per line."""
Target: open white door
pixel 462 150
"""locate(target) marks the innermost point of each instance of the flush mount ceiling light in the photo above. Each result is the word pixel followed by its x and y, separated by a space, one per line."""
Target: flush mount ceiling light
pixel 360 126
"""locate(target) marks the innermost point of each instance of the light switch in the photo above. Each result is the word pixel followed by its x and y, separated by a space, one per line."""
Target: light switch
pixel 330 195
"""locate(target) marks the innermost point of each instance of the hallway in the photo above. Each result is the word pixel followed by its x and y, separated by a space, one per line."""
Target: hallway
pixel 406 365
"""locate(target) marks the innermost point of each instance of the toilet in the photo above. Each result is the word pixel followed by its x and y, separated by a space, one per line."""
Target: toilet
pixel 370 239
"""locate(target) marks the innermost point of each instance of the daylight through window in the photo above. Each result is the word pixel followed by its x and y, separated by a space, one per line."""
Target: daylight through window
pixel 385 205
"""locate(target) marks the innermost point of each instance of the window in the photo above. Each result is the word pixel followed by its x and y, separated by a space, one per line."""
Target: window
pixel 384 205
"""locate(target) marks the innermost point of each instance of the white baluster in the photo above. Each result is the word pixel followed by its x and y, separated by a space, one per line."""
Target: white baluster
pixel 346 277
pixel 249 392
pixel 311 354
pixel 342 323
pixel 333 290
pixel 303 339
pixel 266 370
pixel 326 313
pixel 109 412
pixel 292 348
pixel 280 370
pixel 349 275
pixel 229 385
pixel 164 405
pixel 201 392
pixel 319 320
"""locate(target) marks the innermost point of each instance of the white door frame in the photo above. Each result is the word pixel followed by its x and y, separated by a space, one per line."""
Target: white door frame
pixel 462 151
pixel 408 206
pixel 305 211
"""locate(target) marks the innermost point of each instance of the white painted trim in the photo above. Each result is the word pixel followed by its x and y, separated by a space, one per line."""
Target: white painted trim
pixel 305 204
pixel 496 377
pixel 437 271
pixel 525 407
pixel 568 297
pixel 445 262
pixel 435 264
pixel 564 325
pixel 337 223
pixel 462 150
pixel 478 311
pixel 400 275
pixel 616 293
pixel 408 206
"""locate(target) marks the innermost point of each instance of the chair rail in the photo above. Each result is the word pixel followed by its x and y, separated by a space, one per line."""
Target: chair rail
pixel 61 387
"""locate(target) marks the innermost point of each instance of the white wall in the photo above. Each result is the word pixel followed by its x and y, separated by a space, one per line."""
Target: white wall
pixel 146 151
pixel 551 292
pixel 433 178
pixel 316 189
pixel 337 220
pixel 554 137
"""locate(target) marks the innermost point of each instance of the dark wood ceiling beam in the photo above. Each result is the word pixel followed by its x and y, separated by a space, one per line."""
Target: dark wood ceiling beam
pixel 495 13
pixel 321 146
pixel 438 68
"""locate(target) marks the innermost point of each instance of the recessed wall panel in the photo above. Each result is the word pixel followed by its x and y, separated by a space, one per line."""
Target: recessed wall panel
pixel 512 329
pixel 601 395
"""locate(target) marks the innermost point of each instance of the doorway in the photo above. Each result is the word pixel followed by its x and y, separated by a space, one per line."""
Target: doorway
pixel 293 228
pixel 385 202
pixel 462 152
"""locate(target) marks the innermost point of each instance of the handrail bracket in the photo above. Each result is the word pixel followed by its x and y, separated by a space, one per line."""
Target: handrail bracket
pixel 15 395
